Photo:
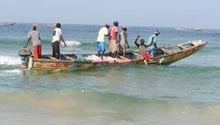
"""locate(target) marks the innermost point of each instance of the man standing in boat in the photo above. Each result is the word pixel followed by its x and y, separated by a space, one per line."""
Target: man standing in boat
pixel 34 35
pixel 103 32
pixel 123 43
pixel 57 38
pixel 152 43
pixel 113 37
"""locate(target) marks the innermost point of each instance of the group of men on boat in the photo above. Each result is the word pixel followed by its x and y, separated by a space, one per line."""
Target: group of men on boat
pixel 121 39
pixel 118 42
pixel 34 36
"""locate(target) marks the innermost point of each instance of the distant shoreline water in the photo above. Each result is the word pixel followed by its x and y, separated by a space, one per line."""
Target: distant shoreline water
pixel 52 24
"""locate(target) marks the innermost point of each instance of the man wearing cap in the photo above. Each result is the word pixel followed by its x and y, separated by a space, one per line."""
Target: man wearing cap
pixel 103 32
pixel 152 43
pixel 123 39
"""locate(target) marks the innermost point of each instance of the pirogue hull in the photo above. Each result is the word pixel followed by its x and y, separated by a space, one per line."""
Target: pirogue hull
pixel 165 56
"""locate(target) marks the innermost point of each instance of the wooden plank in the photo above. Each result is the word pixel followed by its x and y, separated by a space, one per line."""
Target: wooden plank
pixel 53 58
pixel 69 58
pixel 122 57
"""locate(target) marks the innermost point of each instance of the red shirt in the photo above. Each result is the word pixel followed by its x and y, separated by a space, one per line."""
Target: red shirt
pixel 113 32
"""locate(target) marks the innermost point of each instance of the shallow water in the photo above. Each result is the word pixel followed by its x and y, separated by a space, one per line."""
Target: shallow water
pixel 184 93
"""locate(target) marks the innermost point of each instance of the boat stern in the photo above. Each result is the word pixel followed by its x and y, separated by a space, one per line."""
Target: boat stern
pixel 24 54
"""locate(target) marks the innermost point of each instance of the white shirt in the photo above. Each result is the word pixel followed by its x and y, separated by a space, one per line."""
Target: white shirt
pixel 56 36
pixel 101 35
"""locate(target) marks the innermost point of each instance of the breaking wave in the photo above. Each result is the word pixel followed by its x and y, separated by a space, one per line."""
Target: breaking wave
pixel 71 43
pixel 9 60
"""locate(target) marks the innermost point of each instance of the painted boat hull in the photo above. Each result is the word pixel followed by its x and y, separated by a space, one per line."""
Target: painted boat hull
pixel 171 54
pixel 185 50
pixel 48 64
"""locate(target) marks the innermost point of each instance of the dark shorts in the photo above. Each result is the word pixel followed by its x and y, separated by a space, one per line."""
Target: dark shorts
pixel 56 49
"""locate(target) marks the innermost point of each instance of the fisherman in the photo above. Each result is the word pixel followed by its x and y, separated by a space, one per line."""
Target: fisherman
pixel 103 32
pixel 57 38
pixel 34 35
pixel 142 48
pixel 123 41
pixel 113 38
pixel 152 43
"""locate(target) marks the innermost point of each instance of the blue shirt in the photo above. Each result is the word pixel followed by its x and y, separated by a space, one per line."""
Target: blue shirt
pixel 151 40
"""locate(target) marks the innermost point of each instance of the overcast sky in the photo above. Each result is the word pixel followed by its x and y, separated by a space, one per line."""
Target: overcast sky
pixel 167 13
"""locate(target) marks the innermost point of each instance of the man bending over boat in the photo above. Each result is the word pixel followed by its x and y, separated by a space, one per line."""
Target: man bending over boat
pixel 34 35
pixel 57 38
pixel 103 32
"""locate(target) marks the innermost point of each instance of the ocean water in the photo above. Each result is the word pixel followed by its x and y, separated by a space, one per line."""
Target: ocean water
pixel 183 93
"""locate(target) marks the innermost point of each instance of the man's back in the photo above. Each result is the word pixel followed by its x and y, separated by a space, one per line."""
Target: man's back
pixel 35 37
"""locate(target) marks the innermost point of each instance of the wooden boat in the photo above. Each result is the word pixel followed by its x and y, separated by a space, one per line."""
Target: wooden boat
pixel 173 53
pixel 7 23
pixel 165 55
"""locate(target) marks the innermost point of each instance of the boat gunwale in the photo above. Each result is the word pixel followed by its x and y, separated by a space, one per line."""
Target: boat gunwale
pixel 169 57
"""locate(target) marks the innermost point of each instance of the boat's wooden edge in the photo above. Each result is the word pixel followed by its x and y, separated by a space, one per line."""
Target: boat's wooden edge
pixel 53 58
pixel 69 58
pixel 160 59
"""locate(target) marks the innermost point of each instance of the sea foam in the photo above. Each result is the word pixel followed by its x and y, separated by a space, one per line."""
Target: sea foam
pixel 71 43
pixel 9 60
